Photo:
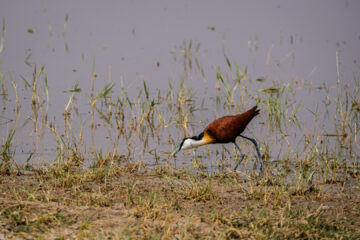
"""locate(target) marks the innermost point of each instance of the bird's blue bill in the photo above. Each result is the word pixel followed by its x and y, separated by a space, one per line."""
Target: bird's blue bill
pixel 176 150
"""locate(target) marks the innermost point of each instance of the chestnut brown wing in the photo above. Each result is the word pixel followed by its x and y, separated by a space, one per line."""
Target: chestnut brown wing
pixel 227 128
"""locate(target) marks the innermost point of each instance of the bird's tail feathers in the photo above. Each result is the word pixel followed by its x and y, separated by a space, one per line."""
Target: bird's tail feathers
pixel 254 111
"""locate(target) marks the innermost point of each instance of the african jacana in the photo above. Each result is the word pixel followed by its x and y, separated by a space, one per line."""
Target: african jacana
pixel 224 130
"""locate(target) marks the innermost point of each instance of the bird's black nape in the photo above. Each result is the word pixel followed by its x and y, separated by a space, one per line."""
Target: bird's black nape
pixel 199 137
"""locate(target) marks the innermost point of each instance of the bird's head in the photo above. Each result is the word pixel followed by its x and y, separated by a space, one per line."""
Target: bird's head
pixel 183 145
pixel 193 142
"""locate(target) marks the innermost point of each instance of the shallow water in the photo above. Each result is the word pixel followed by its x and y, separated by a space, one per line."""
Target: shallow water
pixel 132 42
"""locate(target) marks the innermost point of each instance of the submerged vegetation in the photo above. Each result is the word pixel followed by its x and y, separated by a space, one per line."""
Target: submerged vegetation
pixel 130 188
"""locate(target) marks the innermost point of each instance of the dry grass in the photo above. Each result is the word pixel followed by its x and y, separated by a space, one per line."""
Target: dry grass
pixel 139 203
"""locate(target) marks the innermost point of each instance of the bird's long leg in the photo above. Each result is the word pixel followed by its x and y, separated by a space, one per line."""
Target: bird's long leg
pixel 257 150
pixel 241 156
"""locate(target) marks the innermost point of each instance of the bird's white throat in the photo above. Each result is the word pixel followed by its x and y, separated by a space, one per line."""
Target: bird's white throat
pixel 192 143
